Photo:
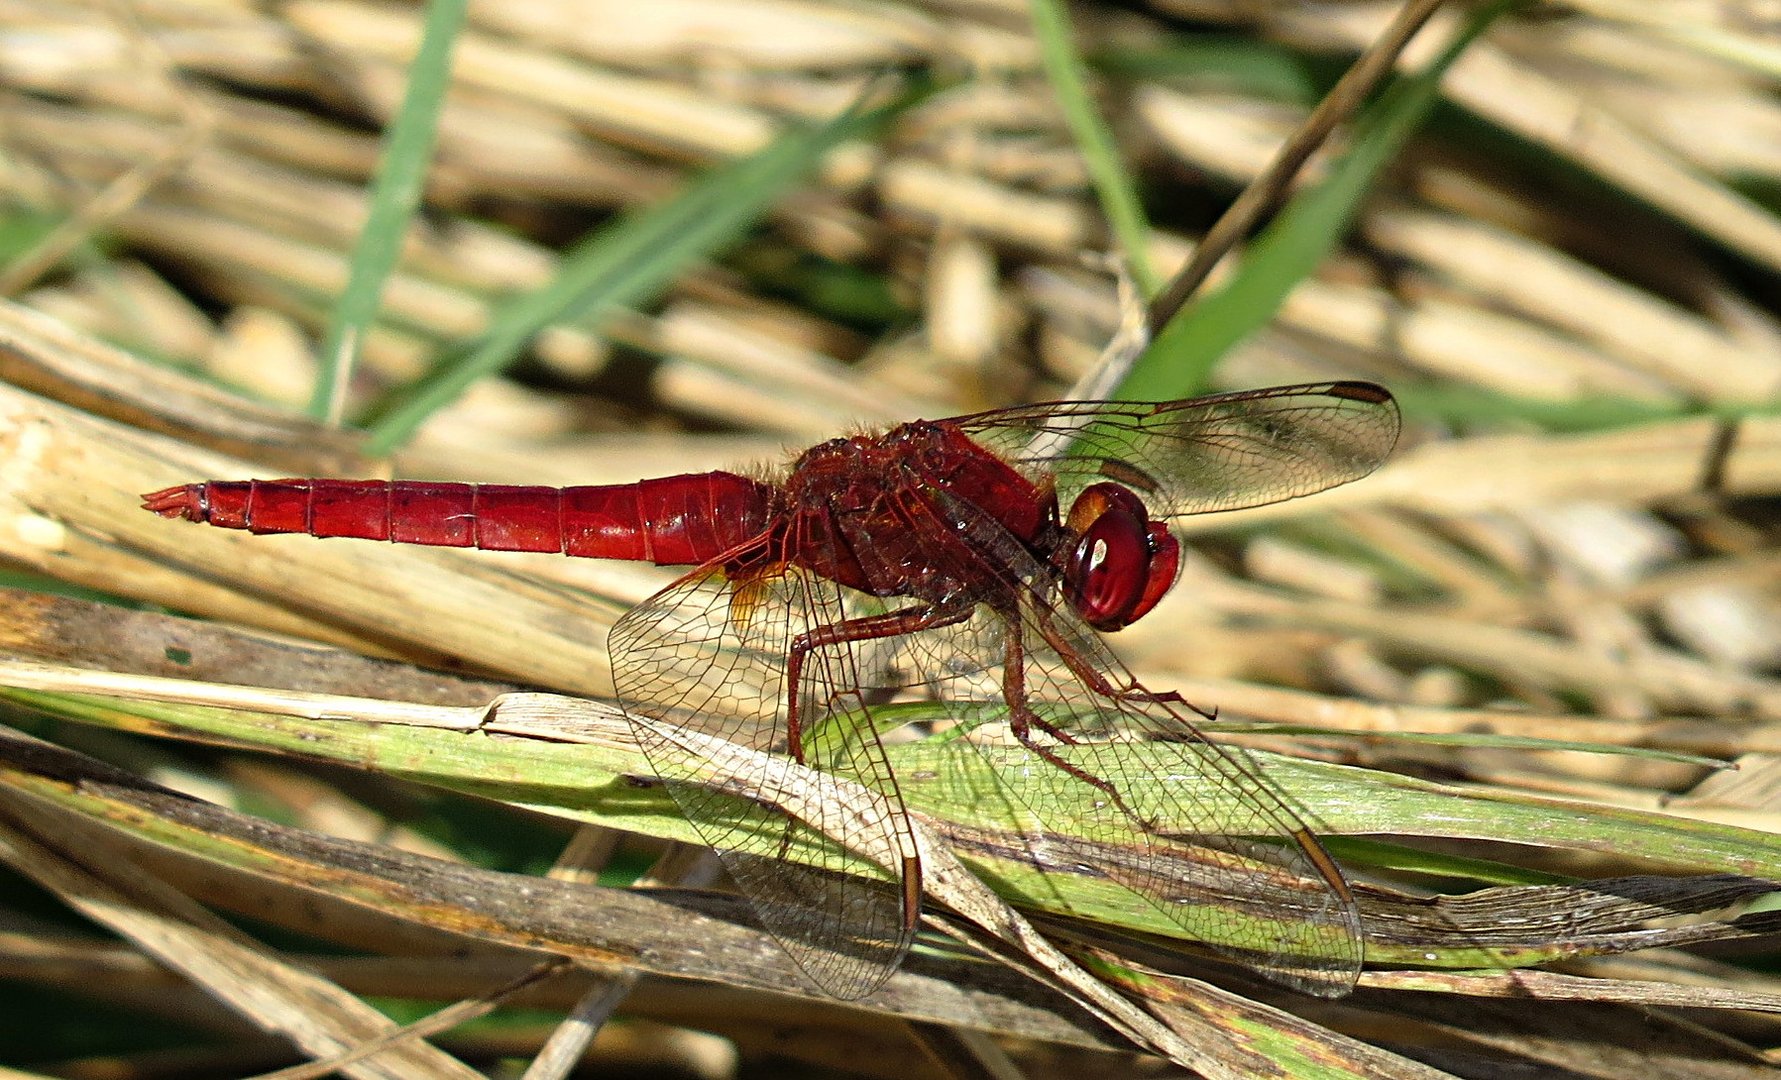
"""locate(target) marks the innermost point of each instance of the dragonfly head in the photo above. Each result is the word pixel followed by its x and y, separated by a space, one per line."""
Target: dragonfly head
pixel 1120 563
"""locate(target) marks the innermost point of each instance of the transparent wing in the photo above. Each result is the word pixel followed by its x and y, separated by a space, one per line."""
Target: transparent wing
pixel 709 654
pixel 1223 452
pixel 1125 785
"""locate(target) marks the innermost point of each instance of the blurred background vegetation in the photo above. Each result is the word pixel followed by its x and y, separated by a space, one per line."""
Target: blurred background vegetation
pixel 658 237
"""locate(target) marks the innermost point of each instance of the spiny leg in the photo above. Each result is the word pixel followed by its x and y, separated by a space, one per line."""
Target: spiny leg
pixel 1022 719
pixel 890 624
pixel 1301 836
pixel 907 620
pixel 1095 680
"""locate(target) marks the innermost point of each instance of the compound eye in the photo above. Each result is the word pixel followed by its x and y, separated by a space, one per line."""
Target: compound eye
pixel 1122 562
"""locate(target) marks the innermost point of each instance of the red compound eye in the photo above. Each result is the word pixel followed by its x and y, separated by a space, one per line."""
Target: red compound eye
pixel 1122 562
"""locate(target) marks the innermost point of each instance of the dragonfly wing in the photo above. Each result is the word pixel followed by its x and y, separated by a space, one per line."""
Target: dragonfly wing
pixel 709 654
pixel 1127 786
pixel 1220 848
pixel 1223 452
pixel 1196 830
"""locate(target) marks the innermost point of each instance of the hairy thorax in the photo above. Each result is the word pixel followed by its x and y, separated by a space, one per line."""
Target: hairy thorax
pixel 910 512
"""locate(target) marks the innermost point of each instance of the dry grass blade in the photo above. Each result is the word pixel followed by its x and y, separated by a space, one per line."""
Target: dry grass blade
pixel 86 475
pixel 687 935
pixel 1552 986
pixel 681 866
pixel 1201 1043
pixel 28 676
pixel 1515 90
pixel 443 1020
pixel 129 188
pixel 314 1014
pixel 558 720
pixel 806 793
pixel 42 355
pixel 1355 85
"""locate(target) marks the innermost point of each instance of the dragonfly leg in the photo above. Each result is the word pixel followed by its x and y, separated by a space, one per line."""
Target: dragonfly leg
pixel 1097 681
pixel 889 624
pixel 1022 720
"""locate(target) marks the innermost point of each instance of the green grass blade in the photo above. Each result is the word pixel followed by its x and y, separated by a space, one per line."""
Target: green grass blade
pixel 1224 61
pixel 1179 361
pixel 1477 740
pixel 965 795
pixel 630 261
pixel 1383 854
pixel 401 178
pixel 1113 183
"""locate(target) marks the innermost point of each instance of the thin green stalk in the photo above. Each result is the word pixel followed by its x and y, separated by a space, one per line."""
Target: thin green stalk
pixel 629 261
pixel 1299 239
pixel 396 191
pixel 1113 184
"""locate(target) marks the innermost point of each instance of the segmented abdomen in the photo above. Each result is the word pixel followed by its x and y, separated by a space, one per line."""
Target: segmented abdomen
pixel 670 521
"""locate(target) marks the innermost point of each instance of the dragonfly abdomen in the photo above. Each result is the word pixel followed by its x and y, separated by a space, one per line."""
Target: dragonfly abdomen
pixel 670 521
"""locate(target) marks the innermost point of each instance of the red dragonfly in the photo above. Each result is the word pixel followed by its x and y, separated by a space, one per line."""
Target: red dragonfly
pixel 975 559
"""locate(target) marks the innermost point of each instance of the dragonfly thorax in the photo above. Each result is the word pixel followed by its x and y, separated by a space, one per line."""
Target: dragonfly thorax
pixel 911 511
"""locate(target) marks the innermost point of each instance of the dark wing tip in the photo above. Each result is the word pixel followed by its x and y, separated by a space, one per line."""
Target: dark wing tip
pixel 1356 390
